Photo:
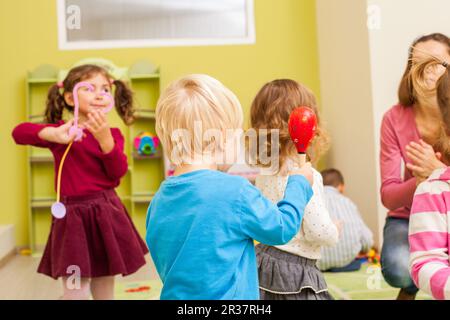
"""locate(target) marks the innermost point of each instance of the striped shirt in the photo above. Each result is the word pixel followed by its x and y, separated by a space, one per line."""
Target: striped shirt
pixel 429 235
pixel 354 237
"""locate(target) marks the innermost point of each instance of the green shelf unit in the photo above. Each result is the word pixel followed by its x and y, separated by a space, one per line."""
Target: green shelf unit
pixel 151 168
pixel 145 80
pixel 145 173
pixel 140 215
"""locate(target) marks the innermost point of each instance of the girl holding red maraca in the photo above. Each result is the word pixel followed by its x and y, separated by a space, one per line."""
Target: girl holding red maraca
pixel 95 239
pixel 289 271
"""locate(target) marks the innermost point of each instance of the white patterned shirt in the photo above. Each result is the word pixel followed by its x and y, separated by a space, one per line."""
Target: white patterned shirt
pixel 355 235
pixel 317 229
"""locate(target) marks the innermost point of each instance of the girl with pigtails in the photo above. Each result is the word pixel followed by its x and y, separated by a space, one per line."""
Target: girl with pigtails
pixel 96 238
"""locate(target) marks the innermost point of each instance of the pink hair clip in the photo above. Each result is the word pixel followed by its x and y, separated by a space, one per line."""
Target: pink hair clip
pixel 111 81
pixel 60 84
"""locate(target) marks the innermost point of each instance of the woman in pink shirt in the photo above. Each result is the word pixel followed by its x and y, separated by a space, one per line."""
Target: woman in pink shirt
pixel 410 135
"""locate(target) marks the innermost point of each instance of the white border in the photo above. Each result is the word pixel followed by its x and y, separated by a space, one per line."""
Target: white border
pixel 63 44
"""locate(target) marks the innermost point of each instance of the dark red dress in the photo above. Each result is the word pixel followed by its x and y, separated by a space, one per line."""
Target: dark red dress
pixel 97 234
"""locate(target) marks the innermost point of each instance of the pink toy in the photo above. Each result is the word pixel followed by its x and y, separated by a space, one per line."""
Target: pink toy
pixel 58 208
pixel 146 144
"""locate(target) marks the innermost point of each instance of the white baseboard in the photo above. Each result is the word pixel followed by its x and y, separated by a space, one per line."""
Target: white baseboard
pixel 7 240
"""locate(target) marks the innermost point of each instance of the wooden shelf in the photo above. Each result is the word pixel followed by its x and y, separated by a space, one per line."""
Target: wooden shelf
pixel 42 80
pixel 157 155
pixel 142 197
pixel 41 159
pixel 124 198
pixel 42 202
pixel 36 118
pixel 145 76
pixel 144 114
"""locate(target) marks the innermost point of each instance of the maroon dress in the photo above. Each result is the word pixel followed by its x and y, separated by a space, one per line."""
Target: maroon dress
pixel 97 234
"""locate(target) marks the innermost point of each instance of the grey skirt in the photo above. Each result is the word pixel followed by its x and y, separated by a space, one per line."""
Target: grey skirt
pixel 285 276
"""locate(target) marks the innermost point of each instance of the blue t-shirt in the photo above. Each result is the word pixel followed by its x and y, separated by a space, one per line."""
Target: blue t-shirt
pixel 200 231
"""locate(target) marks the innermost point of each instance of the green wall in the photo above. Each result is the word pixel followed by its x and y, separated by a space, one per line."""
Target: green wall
pixel 286 47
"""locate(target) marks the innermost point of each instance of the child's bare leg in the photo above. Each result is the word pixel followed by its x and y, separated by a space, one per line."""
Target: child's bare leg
pixel 75 290
pixel 102 288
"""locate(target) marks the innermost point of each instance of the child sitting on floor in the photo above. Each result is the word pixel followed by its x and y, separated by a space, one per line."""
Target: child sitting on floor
pixel 356 237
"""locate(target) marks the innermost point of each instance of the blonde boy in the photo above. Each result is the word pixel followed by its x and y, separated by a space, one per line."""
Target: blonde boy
pixel 202 222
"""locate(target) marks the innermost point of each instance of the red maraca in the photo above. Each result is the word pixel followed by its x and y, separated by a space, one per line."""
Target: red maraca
pixel 302 128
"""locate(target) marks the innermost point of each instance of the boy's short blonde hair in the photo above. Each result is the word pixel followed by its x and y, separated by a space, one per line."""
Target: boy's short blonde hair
pixel 195 101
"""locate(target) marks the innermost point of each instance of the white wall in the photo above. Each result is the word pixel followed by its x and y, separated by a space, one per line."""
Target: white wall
pixel 346 99
pixel 360 69
pixel 402 21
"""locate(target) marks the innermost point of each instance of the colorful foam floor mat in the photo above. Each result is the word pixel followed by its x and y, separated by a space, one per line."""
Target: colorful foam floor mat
pixel 365 284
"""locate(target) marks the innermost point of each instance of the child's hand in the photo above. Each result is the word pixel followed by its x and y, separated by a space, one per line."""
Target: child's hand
pixel 306 171
pixel 58 134
pixel 97 124
pixel 99 127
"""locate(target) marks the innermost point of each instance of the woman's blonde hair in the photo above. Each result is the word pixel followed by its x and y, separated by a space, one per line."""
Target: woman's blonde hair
pixel 406 89
pixel 422 89
pixel 443 96
pixel 271 109
pixel 199 102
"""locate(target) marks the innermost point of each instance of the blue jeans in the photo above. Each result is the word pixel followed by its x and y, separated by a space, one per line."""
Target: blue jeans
pixel 395 255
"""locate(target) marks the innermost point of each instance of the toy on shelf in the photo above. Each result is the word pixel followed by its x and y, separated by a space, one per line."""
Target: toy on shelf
pixel 146 144
pixel 58 208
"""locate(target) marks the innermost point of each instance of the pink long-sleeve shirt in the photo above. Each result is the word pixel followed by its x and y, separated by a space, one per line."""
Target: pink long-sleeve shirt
pixel 86 168
pixel 398 185
pixel 429 235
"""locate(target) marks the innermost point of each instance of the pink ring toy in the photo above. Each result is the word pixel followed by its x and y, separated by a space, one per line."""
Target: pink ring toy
pixel 74 129
pixel 58 209
pixel 111 102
